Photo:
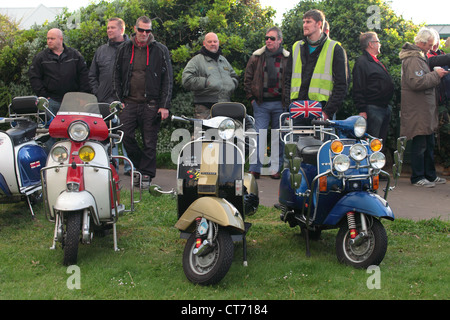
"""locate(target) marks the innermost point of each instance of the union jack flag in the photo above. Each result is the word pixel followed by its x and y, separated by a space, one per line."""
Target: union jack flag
pixel 305 109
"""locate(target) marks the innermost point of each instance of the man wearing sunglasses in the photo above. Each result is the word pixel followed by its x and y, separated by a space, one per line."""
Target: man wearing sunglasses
pixel 209 76
pixel 266 85
pixel 143 81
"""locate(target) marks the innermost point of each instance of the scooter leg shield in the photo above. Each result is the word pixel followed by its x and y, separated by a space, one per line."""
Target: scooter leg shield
pixel 364 202
pixel 215 209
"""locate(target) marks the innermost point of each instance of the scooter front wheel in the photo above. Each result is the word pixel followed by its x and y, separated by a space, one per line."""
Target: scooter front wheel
pixel 210 267
pixel 369 251
pixel 72 237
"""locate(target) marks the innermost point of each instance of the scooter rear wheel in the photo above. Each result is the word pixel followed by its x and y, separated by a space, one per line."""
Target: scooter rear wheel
pixel 72 237
pixel 370 252
pixel 211 267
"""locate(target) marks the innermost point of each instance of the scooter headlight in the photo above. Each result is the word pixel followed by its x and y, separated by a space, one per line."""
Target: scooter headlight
pixel 227 128
pixel 78 131
pixel 360 127
pixel 341 163
pixel 59 154
pixel 358 152
pixel 86 153
pixel 377 160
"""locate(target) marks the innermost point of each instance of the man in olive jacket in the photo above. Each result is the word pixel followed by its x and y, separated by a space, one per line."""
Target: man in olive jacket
pixel 209 76
pixel 419 114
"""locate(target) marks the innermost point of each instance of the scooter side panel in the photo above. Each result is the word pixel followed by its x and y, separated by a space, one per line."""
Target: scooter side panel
pixel 364 202
pixel 214 209
pixel 9 184
pixel 30 159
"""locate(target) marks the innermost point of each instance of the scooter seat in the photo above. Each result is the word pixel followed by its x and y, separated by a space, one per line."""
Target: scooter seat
pixel 24 131
pixel 24 105
pixel 308 147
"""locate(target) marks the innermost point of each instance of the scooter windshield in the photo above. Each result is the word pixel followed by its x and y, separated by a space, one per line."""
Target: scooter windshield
pixel 82 102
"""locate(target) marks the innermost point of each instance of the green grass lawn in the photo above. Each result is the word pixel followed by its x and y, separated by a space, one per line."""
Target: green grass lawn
pixel 149 266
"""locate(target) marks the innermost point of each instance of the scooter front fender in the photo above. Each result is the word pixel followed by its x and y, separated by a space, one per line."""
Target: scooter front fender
pixel 73 201
pixel 364 202
pixel 214 209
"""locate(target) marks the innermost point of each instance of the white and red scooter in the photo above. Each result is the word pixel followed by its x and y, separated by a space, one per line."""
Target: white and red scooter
pixel 80 183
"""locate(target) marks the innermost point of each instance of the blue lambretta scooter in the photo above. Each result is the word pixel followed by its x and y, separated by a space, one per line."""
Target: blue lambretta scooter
pixel 21 156
pixel 331 179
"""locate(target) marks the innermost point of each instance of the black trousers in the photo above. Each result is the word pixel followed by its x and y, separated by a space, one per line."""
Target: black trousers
pixel 143 117
pixel 422 158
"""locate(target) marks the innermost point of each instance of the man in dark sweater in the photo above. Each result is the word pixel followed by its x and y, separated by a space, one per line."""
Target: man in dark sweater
pixel 373 87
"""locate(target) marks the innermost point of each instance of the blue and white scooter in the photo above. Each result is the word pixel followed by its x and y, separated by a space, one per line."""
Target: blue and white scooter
pixel 21 156
pixel 331 180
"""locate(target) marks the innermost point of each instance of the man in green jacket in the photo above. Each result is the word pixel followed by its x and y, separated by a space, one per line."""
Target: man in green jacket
pixel 209 76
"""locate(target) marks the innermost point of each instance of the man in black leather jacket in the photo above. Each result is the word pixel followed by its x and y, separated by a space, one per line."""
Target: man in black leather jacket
pixel 373 87
pixel 143 81
pixel 57 70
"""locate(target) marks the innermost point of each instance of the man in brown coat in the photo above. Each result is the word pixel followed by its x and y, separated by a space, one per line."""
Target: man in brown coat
pixel 266 85
pixel 419 114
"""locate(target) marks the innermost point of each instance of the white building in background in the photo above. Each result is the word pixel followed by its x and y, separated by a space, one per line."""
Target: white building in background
pixel 27 17
pixel 442 29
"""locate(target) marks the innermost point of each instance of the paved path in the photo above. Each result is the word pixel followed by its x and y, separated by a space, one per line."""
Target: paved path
pixel 406 201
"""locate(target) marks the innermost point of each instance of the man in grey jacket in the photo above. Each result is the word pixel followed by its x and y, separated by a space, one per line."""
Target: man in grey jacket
pixel 209 76
pixel 101 71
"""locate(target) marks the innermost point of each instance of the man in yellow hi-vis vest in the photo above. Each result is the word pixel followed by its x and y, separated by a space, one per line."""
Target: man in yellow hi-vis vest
pixel 319 66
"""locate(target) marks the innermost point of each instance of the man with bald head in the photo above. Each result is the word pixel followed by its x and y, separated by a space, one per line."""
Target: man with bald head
pixel 58 69
pixel 209 76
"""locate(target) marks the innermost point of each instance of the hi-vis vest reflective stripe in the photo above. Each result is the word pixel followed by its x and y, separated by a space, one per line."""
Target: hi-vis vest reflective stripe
pixel 321 84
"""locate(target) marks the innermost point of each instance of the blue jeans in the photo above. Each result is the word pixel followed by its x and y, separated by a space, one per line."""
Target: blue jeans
pixel 422 158
pixel 54 106
pixel 115 152
pixel 265 113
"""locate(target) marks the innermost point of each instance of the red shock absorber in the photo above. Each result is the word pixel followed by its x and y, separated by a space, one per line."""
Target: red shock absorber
pixel 198 242
pixel 351 224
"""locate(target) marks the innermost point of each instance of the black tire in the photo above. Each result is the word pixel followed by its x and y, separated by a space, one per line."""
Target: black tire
pixel 370 252
pixel 72 237
pixel 211 267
